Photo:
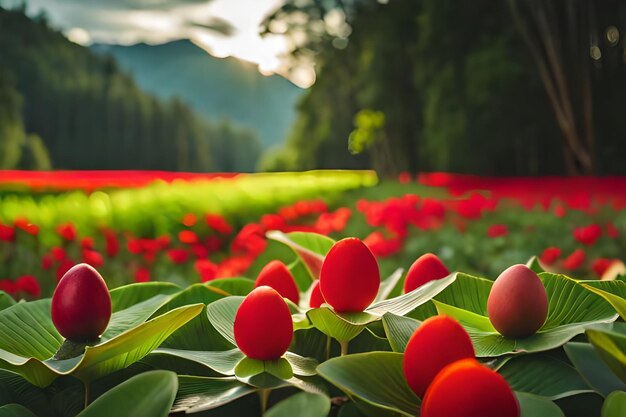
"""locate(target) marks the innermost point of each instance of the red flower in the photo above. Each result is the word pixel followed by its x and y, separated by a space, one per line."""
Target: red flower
pixel 575 260
pixel 188 237
pixel 65 266
pixel 611 230
pixel 404 178
pixel 7 233
pixel 382 247
pixel 588 235
pixel 189 219
pixel 559 211
pixel 550 255
pixel 58 253
pixel 273 222
pixel 218 223
pixel 67 231
pixel 600 265
pixel 111 244
pixel 199 251
pixel 163 242
pixel 178 256
pixel 206 269
pixel 46 262
pixel 86 243
pixel 25 225
pixel 497 230
pixel 142 275
pixel 93 258
pixel 134 246
pixel 29 285
pixel 8 286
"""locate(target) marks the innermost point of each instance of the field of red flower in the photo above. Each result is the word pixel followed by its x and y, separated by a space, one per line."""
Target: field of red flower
pixel 194 228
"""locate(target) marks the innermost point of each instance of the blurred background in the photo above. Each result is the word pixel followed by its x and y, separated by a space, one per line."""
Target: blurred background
pixel 508 87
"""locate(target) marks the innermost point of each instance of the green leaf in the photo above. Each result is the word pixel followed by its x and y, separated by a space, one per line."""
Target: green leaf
pixel 536 406
pixel 618 302
pixel 388 285
pixel 221 314
pixel 15 410
pixel 375 377
pixel 15 389
pixel 223 362
pixel 302 404
pixel 614 405
pixel 543 375
pixel 132 316
pixel 399 330
pixel 611 345
pixel 231 286
pixel 311 248
pixel 149 394
pixel 592 368
pixel 197 394
pixel 534 264
pixel 248 367
pixel 6 300
pixel 571 309
pixel 106 357
pixel 129 295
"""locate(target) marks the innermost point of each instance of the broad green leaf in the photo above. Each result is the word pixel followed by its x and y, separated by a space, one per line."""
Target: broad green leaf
pixel 399 330
pixel 149 394
pixel 311 248
pixel 617 301
pixel 302 404
pixel 615 405
pixel 536 406
pixel 571 309
pixel 15 389
pixel 15 410
pixel 388 285
pixel 5 300
pixel 231 286
pixel 611 345
pixel 199 333
pixel 221 314
pixel 197 394
pixel 534 264
pixel 346 326
pixel 592 368
pixel 223 362
pixel 101 359
pixel 543 375
pixel 129 295
pixel 132 316
pixel 376 378
pixel 248 367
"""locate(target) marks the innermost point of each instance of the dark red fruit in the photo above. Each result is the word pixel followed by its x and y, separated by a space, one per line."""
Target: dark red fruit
pixel 427 267
pixel 466 388
pixel 439 341
pixel 518 302
pixel 349 279
pixel 263 325
pixel 276 275
pixel 81 304
pixel 317 299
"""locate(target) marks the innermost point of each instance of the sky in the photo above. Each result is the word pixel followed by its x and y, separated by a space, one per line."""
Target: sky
pixel 158 21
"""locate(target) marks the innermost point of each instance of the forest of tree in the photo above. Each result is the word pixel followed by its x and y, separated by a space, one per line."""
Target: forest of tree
pixel 483 86
pixel 62 106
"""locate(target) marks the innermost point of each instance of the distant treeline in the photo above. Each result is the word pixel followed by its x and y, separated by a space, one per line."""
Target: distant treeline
pixel 64 107
pixel 448 85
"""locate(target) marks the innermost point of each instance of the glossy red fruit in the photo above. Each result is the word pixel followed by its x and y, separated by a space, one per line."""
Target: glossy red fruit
pixel 276 275
pixel 427 267
pixel 81 304
pixel 263 325
pixel 439 341
pixel 317 299
pixel 349 279
pixel 466 388
pixel 518 302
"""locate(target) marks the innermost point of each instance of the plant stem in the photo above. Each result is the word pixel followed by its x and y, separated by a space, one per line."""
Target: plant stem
pixel 344 347
pixel 86 394
pixel 264 394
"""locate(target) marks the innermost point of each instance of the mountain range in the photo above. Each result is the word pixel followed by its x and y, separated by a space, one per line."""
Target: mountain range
pixel 216 88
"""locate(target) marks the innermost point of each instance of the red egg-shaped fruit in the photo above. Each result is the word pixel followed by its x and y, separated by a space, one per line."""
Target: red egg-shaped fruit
pixel 317 299
pixel 439 341
pixel 468 389
pixel 427 267
pixel 276 275
pixel 518 302
pixel 263 325
pixel 349 279
pixel 81 304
